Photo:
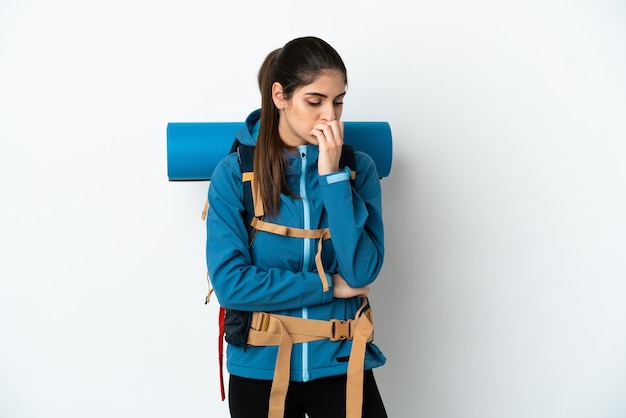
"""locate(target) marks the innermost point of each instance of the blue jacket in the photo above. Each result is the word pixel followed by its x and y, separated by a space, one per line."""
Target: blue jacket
pixel 278 274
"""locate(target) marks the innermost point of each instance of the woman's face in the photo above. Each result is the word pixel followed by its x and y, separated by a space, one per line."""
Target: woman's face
pixel 318 102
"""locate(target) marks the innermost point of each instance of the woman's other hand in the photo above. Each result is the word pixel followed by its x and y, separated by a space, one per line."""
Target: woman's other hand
pixel 342 290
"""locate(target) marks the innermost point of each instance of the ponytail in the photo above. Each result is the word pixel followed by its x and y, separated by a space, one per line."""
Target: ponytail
pixel 269 158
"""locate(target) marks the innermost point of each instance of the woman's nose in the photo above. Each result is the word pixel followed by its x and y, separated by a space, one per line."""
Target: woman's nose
pixel 329 114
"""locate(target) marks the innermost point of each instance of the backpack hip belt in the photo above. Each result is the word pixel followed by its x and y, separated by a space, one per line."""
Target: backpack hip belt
pixel 270 329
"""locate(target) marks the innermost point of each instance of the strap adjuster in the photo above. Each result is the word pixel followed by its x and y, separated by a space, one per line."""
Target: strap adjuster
pixel 341 330
pixel 260 321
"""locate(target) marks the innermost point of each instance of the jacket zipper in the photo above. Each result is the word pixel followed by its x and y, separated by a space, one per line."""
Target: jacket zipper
pixel 306 249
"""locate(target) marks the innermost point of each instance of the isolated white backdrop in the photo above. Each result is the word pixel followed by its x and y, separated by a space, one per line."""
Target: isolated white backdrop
pixel 504 288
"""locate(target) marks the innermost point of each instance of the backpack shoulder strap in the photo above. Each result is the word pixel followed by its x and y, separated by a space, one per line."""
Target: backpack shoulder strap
pixel 348 160
pixel 246 163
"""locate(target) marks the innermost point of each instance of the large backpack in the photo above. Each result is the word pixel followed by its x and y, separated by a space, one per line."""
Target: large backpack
pixel 193 151
pixel 234 325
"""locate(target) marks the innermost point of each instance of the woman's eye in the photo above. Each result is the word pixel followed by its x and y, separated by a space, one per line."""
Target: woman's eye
pixel 315 104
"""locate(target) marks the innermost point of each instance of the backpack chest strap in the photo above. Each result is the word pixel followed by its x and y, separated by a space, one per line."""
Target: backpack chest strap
pixel 288 231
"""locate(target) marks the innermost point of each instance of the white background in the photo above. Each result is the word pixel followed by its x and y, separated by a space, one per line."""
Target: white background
pixel 504 288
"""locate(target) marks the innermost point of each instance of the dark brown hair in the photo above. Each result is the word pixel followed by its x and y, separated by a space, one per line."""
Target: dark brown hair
pixel 296 64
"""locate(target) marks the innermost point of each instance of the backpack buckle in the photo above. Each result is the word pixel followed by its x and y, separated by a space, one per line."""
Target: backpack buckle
pixel 341 330
pixel 260 321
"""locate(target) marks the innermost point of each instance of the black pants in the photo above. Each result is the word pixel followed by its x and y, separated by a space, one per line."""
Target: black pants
pixel 321 398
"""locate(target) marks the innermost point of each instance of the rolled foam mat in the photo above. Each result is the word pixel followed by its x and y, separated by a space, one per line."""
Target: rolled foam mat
pixel 195 148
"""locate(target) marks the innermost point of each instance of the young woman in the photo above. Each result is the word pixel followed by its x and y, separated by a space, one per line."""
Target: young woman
pixel 299 282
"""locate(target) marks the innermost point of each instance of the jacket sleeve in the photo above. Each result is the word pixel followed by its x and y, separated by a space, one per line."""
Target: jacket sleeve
pixel 237 282
pixel 355 221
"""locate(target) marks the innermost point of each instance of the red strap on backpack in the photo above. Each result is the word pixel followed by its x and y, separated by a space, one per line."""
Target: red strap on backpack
pixel 220 338
pixel 220 349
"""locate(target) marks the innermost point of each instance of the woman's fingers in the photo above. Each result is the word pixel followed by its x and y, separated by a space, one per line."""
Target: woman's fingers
pixel 330 141
pixel 329 134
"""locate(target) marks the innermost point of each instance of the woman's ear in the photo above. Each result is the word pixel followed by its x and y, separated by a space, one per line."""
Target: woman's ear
pixel 277 96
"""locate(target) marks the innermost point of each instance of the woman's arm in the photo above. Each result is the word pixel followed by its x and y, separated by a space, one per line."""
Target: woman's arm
pixel 355 221
pixel 237 282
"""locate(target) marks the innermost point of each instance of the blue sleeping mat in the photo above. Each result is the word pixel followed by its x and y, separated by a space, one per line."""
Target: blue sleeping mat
pixel 195 148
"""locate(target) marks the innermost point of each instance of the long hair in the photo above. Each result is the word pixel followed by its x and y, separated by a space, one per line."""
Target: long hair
pixel 298 63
